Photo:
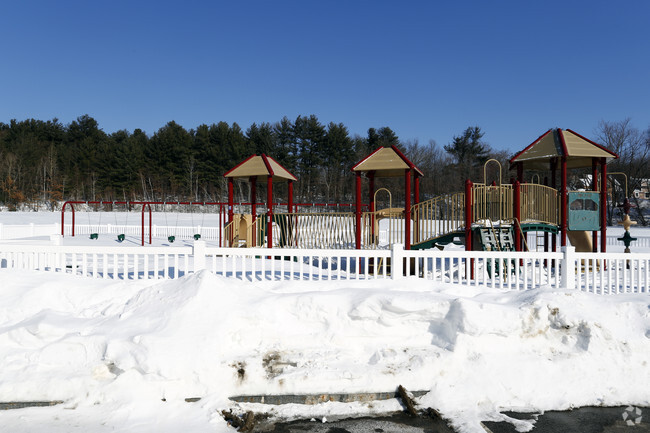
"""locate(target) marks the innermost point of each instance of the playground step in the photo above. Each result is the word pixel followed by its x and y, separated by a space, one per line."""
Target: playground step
pixel 497 238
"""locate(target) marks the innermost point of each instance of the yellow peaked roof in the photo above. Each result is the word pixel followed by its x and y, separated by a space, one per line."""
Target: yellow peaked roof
pixel 555 143
pixel 386 162
pixel 261 166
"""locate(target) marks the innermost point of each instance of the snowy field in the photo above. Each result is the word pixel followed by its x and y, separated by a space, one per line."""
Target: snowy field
pixel 123 356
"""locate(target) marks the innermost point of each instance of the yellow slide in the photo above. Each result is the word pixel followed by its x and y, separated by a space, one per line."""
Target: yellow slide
pixel 581 240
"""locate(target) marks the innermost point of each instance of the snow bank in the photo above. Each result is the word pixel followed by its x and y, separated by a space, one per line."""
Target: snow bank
pixel 124 355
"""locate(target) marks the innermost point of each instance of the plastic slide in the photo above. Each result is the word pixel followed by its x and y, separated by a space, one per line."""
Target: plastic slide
pixel 581 240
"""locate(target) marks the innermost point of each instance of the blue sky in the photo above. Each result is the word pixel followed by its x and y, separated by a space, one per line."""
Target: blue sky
pixel 427 69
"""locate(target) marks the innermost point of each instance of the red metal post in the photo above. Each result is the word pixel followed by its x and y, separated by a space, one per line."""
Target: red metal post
pixel 603 205
pixel 416 200
pixel 594 187
pixel 563 204
pixel 269 200
pixel 373 205
pixel 231 211
pixel 150 225
pixel 468 215
pixel 290 206
pixel 407 209
pixel 554 186
pixel 545 233
pixel 358 211
pixel 63 219
pixel 142 228
pixel 371 191
pixel 253 181
pixel 468 224
pixel 517 213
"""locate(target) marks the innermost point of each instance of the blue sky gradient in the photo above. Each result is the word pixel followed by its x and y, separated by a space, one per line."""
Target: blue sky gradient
pixel 427 69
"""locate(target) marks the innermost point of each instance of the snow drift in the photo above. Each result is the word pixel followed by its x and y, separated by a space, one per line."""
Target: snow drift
pixel 121 353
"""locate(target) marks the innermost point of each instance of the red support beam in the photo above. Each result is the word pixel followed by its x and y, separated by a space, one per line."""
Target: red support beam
pixel 594 187
pixel 468 215
pixel 290 205
pixel 231 211
pixel 407 209
pixel 546 238
pixel 517 213
pixel 358 211
pixel 253 198
pixel 416 218
pixel 373 205
pixel 603 205
pixel 563 204
pixel 371 191
pixel 554 186
pixel 269 200
pixel 468 224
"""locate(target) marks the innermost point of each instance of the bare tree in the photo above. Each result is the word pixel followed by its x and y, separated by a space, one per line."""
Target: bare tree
pixel 633 149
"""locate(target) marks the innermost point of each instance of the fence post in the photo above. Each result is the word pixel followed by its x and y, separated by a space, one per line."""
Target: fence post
pixel 198 251
pixel 568 268
pixel 397 261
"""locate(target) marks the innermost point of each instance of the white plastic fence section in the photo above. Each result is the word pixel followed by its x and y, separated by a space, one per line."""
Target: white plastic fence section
pixel 607 273
pixel 611 273
pixel 289 264
pixel 28 230
pixel 504 270
pixel 103 262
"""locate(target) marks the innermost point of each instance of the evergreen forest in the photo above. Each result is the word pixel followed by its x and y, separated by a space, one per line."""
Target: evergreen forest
pixel 43 163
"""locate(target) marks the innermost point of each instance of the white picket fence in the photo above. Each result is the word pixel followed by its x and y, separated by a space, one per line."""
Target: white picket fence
pixel 15 231
pixel 607 273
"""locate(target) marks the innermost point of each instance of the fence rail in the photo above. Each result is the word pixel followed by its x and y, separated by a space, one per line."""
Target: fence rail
pixel 608 273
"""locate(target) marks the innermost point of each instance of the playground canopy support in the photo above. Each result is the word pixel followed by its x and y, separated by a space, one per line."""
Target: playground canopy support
pixel 253 169
pixel 566 149
pixel 387 162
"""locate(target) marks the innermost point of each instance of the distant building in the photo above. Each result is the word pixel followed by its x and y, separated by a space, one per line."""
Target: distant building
pixel 643 192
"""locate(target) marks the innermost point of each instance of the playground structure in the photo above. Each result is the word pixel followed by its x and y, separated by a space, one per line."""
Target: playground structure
pixel 490 217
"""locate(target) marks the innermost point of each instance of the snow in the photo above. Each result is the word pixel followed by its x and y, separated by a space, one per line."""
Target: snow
pixel 124 355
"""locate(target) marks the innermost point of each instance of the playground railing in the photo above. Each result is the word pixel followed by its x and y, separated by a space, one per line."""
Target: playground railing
pixel 539 203
pixel 382 228
pixel 334 230
pixel 492 202
pixel 438 216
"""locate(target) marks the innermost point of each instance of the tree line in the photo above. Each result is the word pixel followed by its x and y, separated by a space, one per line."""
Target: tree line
pixel 47 162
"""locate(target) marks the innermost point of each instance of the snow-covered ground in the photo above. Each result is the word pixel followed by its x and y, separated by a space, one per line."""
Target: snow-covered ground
pixel 124 355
